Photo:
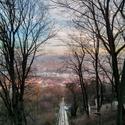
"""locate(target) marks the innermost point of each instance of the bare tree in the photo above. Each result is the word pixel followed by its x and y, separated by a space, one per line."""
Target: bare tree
pixel 105 18
pixel 76 63
pixel 24 26
pixel 91 48
pixel 72 87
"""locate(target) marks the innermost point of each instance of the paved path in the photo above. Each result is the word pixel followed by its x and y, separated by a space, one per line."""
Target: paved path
pixel 63 118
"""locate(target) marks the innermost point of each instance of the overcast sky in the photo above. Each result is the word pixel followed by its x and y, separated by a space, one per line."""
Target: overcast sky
pixel 63 27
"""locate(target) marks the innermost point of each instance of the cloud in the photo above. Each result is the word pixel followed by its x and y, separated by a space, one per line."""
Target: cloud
pixel 57 45
pixel 59 15
pixel 63 26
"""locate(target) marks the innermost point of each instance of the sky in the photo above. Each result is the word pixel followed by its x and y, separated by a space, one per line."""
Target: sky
pixel 62 22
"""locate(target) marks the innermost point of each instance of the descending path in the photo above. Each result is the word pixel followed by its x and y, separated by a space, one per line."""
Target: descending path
pixel 63 118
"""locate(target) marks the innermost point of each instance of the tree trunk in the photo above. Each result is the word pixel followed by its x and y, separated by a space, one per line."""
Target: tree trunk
pixel 17 115
pixel 117 89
